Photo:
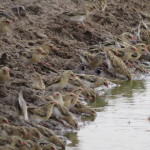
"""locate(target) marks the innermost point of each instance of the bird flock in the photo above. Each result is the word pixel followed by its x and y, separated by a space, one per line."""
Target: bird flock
pixel 64 94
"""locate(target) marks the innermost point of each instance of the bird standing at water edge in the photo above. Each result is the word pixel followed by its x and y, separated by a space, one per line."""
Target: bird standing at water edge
pixel 117 65
pixel 93 81
pixel 41 113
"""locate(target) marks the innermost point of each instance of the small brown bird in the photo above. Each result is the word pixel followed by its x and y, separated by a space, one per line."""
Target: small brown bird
pixel 142 50
pixel 41 113
pixel 93 81
pixel 4 23
pixel 61 112
pixel 126 53
pixel 80 15
pixel 7 130
pixel 91 60
pixel 3 120
pixel 117 65
pixel 70 98
pixel 126 39
pixel 75 83
pixel 50 136
pixel 38 83
pixel 87 91
pixel 32 57
pixel 11 141
pixel 47 47
pixel 4 75
pixel 61 81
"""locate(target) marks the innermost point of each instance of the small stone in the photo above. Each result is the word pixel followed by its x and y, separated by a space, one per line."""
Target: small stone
pixel 41 35
pixel 19 10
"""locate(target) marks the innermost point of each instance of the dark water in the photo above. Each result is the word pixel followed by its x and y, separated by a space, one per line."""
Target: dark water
pixel 121 122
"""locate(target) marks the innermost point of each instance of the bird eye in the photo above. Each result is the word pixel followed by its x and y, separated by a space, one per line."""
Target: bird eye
pixel 93 97
pixel 37 135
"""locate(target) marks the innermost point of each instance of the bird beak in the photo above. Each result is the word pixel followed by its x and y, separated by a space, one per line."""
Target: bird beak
pixel 74 95
pixel 6 121
pixel 43 53
pixel 146 51
pixel 106 84
pixel 10 22
pixel 73 76
pixel 38 137
pixel 21 143
pixel 5 71
pixel 87 97
pixel 132 38
pixel 54 48
pixel 55 102
pixel 54 95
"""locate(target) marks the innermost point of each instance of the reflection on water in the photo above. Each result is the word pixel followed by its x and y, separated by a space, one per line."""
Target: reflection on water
pixel 121 122
pixel 72 136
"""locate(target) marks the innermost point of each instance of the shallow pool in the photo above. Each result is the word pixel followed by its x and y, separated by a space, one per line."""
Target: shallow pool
pixel 121 122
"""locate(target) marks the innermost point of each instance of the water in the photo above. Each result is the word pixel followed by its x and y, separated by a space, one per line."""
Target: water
pixel 121 123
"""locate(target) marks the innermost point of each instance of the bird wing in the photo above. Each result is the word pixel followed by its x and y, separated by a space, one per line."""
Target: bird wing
pixel 119 65
pixel 63 110
pixel 76 82
pixel 46 132
pixel 53 80
pixel 37 111
pixel 90 78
